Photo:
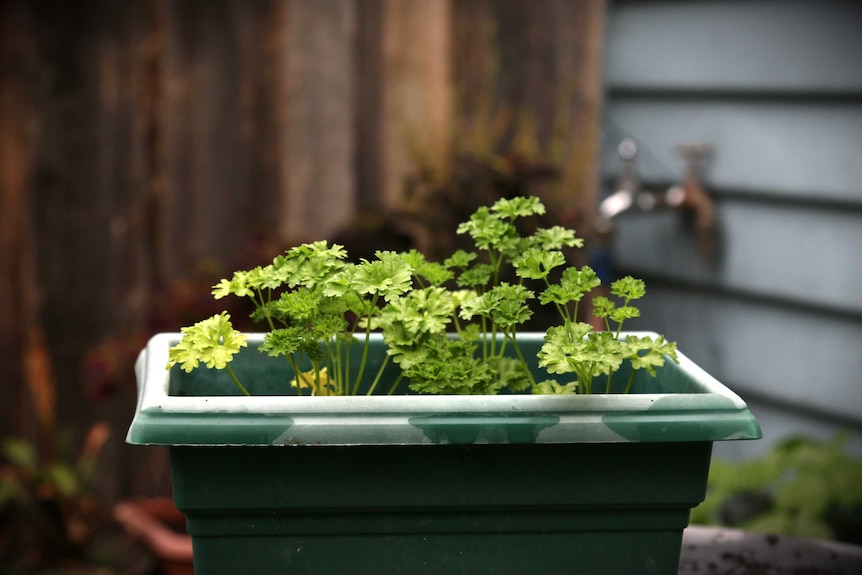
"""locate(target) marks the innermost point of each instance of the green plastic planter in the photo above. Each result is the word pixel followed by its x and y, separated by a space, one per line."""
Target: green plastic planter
pixel 433 484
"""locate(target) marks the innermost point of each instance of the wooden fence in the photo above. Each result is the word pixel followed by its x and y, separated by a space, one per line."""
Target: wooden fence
pixel 148 146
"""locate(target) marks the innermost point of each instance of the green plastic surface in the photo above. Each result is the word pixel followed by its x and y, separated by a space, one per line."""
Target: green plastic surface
pixel 683 403
pixel 425 485
pixel 610 509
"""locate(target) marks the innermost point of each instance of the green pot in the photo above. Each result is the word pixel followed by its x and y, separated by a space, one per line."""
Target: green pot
pixel 433 484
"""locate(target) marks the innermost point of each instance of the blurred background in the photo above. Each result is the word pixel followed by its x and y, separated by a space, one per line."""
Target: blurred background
pixel 150 147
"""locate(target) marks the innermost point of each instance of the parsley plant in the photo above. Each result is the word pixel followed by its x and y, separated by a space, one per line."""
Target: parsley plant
pixel 451 327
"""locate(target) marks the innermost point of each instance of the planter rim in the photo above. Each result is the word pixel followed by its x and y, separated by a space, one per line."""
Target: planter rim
pixel 713 413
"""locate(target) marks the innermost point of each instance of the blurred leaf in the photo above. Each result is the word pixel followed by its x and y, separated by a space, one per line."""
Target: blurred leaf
pixel 96 438
pixel 63 478
pixel 8 490
pixel 21 454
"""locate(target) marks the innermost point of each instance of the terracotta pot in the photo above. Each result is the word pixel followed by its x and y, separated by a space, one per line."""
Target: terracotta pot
pixel 161 527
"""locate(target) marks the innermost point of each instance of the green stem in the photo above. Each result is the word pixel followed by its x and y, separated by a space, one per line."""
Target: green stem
pixel 523 361
pixel 345 372
pixel 331 364
pixel 364 359
pixel 236 380
pixel 588 379
pixel 265 309
pixel 617 336
pixel 493 339
pixel 456 322
pixel 506 336
pixel 316 368
pixel 562 310
pixel 297 374
pixel 484 337
pixel 341 361
pixel 620 325
pixel 631 380
pixel 395 385
pixel 497 262
pixel 379 375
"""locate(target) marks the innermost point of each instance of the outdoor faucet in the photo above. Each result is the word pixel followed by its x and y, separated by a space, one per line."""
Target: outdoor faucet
pixel 694 199
pixel 688 196
pixel 628 184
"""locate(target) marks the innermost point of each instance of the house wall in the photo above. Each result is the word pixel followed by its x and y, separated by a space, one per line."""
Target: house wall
pixel 776 89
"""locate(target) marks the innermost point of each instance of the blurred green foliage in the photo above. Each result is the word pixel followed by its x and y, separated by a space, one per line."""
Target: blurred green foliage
pixel 49 509
pixel 804 487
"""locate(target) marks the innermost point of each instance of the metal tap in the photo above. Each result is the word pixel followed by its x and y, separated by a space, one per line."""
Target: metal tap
pixel 688 196
pixel 628 184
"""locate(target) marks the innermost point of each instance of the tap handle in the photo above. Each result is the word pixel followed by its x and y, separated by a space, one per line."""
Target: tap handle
pixel 694 153
pixel 627 180
pixel 627 149
pixel 693 198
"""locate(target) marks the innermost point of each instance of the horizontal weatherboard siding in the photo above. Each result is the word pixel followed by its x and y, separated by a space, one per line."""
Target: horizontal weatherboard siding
pixel 793 254
pixel 803 150
pixel 800 46
pixel 776 89
pixel 796 357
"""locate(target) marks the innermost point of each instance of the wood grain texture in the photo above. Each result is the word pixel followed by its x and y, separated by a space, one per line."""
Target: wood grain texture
pixel 148 145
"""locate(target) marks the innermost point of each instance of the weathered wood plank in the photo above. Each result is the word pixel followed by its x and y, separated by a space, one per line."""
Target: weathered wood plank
pixel 200 115
pixel 15 233
pixel 86 194
pixel 260 27
pixel 416 90
pixel 222 123
pixel 70 201
pixel 367 105
pixel 121 186
pixel 794 46
pixel 164 134
pixel 318 197
pixel 540 62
